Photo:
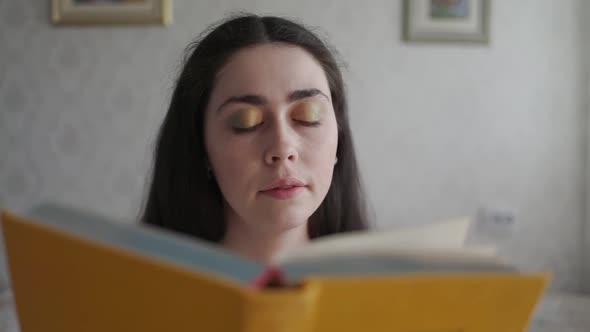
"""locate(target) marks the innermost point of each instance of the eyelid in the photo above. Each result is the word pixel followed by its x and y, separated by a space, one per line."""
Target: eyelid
pixel 245 118
pixel 307 111
pixel 248 129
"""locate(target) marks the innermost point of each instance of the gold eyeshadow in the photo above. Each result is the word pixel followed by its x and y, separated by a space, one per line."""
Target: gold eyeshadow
pixel 246 118
pixel 306 111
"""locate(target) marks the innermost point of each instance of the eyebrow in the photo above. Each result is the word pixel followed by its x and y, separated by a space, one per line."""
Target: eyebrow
pixel 259 100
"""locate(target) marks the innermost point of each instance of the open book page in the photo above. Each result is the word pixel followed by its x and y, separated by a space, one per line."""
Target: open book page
pixel 449 234
pixel 156 243
pixel 431 248
pixel 434 246
pixel 402 262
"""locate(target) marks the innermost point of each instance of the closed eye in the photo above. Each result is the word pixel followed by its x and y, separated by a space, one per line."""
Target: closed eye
pixel 253 128
pixel 308 124
pixel 246 130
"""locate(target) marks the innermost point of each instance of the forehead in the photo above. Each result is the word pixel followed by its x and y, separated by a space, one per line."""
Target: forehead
pixel 270 69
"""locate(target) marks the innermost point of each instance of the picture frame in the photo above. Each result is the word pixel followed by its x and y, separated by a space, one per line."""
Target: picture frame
pixel 459 21
pixel 111 12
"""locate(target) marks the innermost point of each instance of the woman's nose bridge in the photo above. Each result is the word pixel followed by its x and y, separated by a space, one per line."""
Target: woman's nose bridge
pixel 281 139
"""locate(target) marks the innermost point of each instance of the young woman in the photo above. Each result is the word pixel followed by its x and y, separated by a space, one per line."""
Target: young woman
pixel 255 152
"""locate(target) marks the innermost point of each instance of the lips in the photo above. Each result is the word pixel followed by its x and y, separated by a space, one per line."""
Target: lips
pixel 285 188
pixel 284 184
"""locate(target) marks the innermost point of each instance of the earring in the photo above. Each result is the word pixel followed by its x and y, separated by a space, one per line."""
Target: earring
pixel 336 161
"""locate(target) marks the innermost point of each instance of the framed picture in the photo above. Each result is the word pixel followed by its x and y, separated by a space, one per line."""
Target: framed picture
pixel 446 20
pixel 111 12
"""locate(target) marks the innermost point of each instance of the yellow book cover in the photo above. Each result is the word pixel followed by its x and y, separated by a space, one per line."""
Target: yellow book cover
pixel 72 271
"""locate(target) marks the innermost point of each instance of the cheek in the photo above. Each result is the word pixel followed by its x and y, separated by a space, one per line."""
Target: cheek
pixel 231 161
pixel 222 148
pixel 231 172
pixel 321 155
pixel 222 154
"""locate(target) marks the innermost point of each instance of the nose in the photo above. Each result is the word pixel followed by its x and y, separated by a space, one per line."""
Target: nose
pixel 281 147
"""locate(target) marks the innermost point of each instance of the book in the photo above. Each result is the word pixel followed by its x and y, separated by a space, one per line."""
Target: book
pixel 73 271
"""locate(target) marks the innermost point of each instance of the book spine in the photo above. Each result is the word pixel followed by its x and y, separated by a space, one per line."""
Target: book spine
pixel 280 310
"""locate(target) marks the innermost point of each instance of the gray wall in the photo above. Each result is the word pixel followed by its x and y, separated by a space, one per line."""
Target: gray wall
pixel 585 41
pixel 440 130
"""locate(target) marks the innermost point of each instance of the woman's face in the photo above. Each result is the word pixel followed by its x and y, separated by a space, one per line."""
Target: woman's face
pixel 271 136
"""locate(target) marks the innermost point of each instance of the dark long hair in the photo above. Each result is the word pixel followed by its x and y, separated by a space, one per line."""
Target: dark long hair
pixel 182 197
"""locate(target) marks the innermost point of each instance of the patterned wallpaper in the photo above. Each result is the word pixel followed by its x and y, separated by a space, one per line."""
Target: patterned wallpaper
pixel 79 109
pixel 440 130
pixel 81 105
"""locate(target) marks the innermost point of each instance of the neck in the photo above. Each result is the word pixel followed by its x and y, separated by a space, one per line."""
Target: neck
pixel 262 245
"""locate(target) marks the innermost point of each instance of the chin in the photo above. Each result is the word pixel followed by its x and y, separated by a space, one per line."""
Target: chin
pixel 289 221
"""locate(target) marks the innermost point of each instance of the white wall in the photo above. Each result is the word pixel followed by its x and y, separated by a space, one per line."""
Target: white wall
pixel 440 129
